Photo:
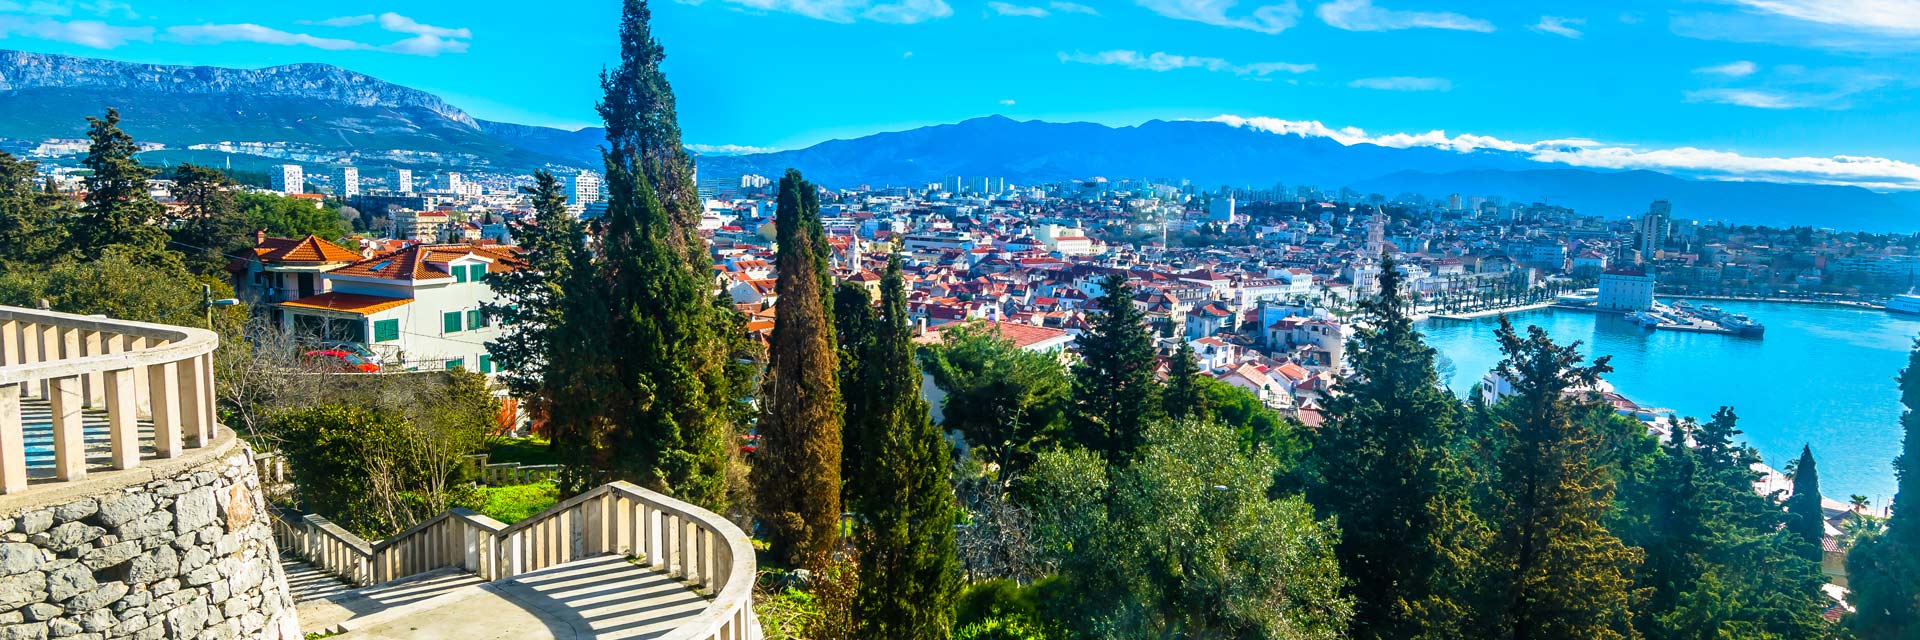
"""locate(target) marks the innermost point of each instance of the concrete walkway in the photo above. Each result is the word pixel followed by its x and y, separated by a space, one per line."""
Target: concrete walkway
pixel 603 597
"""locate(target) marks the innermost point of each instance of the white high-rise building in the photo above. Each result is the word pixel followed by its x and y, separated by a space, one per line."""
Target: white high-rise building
pixel 449 182
pixel 346 182
pixel 400 180
pixel 289 179
pixel 583 188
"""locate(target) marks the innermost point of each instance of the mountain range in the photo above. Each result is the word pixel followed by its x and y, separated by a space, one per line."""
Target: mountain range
pixel 320 113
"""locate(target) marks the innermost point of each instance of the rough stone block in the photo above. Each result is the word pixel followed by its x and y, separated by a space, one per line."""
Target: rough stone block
pixel 125 510
pixel 188 620
pixel 75 510
pixel 69 581
pixel 20 557
pixel 193 510
pixel 41 611
pixel 36 521
pixel 110 555
pixel 153 566
pixel 19 590
pixel 100 596
pixel 29 631
pixel 66 537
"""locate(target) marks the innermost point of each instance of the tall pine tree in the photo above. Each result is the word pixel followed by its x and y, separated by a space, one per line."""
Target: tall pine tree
pixel 1561 573
pixel 1883 569
pixel 208 228
pixel 1115 393
pixel 1386 468
pixel 548 352
pixel 796 472
pixel 667 391
pixel 120 209
pixel 33 222
pixel 910 573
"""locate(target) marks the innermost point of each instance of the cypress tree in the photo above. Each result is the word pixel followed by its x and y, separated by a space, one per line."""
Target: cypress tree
pixel 1114 391
pixel 666 388
pixel 1563 573
pixel 1183 398
pixel 1804 516
pixel 797 470
pixel 1883 568
pixel 1386 468
pixel 910 573
pixel 119 205
pixel 854 325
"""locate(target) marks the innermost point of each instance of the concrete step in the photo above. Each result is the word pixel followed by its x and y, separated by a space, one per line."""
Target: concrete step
pixel 305 582
pixel 334 612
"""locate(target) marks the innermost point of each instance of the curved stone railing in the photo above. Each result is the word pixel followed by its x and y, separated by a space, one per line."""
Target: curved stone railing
pixel 703 549
pixel 134 371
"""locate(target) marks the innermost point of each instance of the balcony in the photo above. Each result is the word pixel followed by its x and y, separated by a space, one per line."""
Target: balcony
pixel 84 394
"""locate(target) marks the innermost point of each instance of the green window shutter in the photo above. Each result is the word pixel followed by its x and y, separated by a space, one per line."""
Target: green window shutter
pixel 456 363
pixel 475 319
pixel 486 363
pixel 386 330
pixel 450 322
pixel 477 273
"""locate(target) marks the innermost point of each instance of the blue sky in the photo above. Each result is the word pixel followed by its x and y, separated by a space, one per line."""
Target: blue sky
pixel 1805 90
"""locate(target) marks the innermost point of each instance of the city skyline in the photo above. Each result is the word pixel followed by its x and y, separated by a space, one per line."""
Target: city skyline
pixel 1662 86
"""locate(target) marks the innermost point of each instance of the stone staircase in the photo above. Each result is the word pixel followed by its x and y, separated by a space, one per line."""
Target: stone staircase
pixel 307 583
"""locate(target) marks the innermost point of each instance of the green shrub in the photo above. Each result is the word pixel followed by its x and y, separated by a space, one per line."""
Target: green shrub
pixel 513 503
pixel 1007 628
pixel 532 450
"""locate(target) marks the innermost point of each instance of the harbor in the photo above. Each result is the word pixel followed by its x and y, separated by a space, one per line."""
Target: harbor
pixel 1823 376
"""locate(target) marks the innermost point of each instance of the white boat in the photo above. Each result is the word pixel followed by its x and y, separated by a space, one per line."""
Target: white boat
pixel 1904 303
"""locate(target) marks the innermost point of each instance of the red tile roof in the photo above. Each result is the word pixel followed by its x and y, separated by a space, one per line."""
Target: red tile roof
pixel 348 302
pixel 308 249
pixel 417 262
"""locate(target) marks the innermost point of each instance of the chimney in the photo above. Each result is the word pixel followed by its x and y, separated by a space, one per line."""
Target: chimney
pixel 259 236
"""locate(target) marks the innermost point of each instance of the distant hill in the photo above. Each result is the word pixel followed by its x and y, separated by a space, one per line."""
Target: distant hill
pixel 322 110
pixel 1624 192
pixel 1212 154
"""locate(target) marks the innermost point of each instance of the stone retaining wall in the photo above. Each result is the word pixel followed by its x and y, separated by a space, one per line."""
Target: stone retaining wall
pixel 184 551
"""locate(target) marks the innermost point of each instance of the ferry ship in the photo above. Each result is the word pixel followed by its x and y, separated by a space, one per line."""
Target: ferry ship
pixel 1735 322
pixel 1905 303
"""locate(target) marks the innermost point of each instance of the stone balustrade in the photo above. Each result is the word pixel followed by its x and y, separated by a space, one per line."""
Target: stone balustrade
pixel 693 544
pixel 132 372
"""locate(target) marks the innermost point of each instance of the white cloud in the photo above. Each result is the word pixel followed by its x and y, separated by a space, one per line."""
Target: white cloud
pixel 425 40
pixel 223 33
pixel 1072 7
pixel 727 149
pixel 1759 98
pixel 1735 69
pixel 1006 103
pixel 1015 10
pixel 1559 26
pixel 1403 83
pixel 844 11
pixel 86 33
pixel 1893 16
pixel 1162 61
pixel 1361 15
pixel 1868 172
pixel 1267 19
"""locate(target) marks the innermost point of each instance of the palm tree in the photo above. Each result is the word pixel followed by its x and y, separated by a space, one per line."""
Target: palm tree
pixel 1860 503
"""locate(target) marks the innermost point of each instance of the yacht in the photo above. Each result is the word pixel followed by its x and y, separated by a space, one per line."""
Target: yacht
pixel 1735 322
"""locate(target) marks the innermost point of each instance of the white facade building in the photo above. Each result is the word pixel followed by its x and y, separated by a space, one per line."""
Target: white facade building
pixel 418 308
pixel 583 188
pixel 400 180
pixel 346 182
pixel 289 179
pixel 1625 290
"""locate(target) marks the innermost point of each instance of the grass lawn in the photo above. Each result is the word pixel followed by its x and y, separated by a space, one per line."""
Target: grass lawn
pixel 529 451
pixel 514 503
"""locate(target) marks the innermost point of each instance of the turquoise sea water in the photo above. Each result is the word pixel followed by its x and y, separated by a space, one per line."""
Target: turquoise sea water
pixel 1823 376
